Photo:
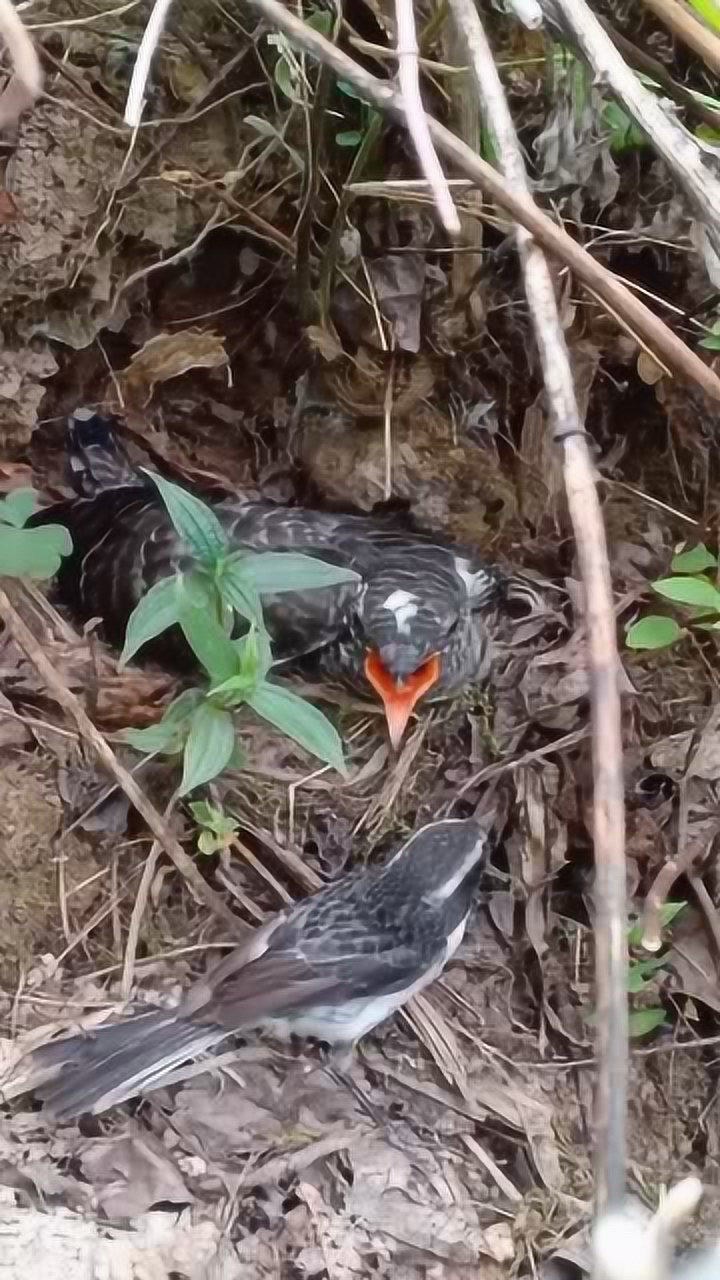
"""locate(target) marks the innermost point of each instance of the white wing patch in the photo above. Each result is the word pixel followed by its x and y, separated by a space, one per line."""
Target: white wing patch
pixel 403 604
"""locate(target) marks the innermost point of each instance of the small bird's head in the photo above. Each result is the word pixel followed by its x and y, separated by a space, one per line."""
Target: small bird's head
pixel 419 642
pixel 443 858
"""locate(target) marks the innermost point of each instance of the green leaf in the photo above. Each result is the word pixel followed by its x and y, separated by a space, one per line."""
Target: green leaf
pixel 272 572
pixel 642 1021
pixel 253 662
pixel 642 972
pixel 696 560
pixel 207 815
pixel 301 721
pixel 668 912
pixel 285 79
pixel 321 20
pixel 693 591
pixel 208 748
pixel 195 523
pixel 349 138
pixel 653 632
pixel 212 647
pixel 33 553
pixel 711 342
pixel 158 610
pixel 165 737
pixel 17 507
pixel 238 589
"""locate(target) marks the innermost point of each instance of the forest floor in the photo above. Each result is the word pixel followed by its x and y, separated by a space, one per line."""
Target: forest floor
pixel 183 280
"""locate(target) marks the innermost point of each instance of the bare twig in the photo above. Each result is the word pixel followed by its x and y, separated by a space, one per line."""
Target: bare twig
pixel 26 82
pixel 24 637
pixel 671 350
pixel 641 60
pixel 141 70
pixel 608 814
pixel 676 146
pixel 409 81
pixel 683 24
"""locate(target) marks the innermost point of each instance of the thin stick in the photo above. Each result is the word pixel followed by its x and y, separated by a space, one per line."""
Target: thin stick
pixel 26 83
pixel 24 637
pixel 409 81
pixel 671 350
pixel 584 506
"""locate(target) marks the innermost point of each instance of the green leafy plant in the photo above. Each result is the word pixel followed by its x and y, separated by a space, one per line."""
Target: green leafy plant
pixel 29 553
pixel 692 588
pixel 644 972
pixel 217 829
pixel 204 602
pixel 709 11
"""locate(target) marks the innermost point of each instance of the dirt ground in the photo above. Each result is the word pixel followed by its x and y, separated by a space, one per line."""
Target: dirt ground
pixel 182 280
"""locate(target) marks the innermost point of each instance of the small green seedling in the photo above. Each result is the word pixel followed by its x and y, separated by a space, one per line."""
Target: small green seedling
pixel 692 588
pixel 205 602
pixel 644 971
pixel 218 829
pixel 29 553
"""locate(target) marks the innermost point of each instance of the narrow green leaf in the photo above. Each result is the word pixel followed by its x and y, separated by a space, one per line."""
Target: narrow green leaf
pixel 642 972
pixel 693 591
pixel 711 342
pixel 211 646
pixel 272 572
pixel 165 737
pixel 642 1021
pixel 17 507
pixel 695 560
pixel 33 553
pixel 238 590
pixel 158 610
pixel 348 138
pixel 195 523
pixel 301 721
pixel 209 746
pixel 653 632
pixel 253 661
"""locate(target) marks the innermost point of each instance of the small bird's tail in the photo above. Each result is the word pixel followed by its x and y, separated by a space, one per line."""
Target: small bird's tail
pixel 100 1070
pixel 95 458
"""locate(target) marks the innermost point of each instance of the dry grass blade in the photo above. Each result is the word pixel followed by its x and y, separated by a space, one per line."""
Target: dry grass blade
pixel 683 24
pixel 104 753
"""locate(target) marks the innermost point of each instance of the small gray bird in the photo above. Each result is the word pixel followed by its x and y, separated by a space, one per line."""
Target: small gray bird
pixel 412 625
pixel 331 967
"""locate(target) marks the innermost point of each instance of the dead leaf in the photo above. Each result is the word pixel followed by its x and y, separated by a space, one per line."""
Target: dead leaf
pixel 131 1174
pixel 169 355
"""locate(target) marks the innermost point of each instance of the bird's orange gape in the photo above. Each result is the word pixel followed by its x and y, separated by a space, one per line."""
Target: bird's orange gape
pixel 399 697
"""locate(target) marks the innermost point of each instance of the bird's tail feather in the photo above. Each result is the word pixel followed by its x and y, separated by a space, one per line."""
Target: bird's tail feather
pixel 112 1064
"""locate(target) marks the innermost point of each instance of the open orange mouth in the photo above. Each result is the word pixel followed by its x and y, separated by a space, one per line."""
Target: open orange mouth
pixel 399 698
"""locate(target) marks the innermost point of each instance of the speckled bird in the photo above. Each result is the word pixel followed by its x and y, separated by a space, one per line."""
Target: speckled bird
pixel 412 626
pixel 331 968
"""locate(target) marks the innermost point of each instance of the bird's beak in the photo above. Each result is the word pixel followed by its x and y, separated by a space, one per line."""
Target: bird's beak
pixel 399 697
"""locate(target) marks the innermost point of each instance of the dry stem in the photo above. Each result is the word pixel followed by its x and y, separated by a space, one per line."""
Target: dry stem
pixel 26 83
pixel 409 81
pixel 683 24
pixel 608 813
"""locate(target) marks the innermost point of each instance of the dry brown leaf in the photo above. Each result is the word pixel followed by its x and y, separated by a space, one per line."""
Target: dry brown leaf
pixel 169 355
pixel 131 1174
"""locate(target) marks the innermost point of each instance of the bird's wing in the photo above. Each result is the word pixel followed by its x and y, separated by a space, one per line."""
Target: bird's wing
pixel 343 960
